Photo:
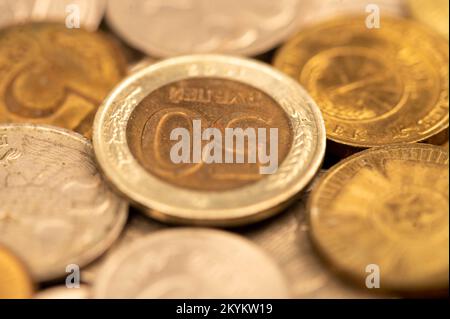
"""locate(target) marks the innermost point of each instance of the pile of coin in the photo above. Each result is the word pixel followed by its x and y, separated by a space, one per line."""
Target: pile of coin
pixel 350 201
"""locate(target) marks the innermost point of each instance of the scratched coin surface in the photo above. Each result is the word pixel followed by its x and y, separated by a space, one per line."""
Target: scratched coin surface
pixel 374 86
pixel 15 282
pixel 50 74
pixel 387 207
pixel 432 13
pixel 174 27
pixel 52 191
pixel 85 13
pixel 191 263
pixel 133 144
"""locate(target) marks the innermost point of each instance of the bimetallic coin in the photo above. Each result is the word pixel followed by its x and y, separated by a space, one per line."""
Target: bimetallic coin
pixel 75 13
pixel 62 292
pixel 191 263
pixel 387 209
pixel 15 282
pixel 432 13
pixel 53 75
pixel 374 86
pixel 164 28
pixel 55 209
pixel 134 148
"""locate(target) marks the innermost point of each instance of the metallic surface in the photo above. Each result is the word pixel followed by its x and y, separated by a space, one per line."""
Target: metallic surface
pixel 69 216
pixel 176 204
pixel 432 13
pixel 190 263
pixel 19 11
pixel 164 28
pixel 389 207
pixel 374 86
pixel 53 75
pixel 15 282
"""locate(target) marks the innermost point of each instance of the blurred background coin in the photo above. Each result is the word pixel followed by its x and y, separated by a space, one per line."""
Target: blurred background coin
pixel 374 86
pixel 50 74
pixel 432 13
pixel 133 145
pixel 387 207
pixel 163 28
pixel 193 264
pixel 15 282
pixel 55 209
pixel 88 13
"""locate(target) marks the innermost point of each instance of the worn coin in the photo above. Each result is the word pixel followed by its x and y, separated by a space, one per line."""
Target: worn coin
pixel 134 148
pixel 15 282
pixel 374 86
pixel 176 27
pixel 75 13
pixel 55 209
pixel 191 263
pixel 432 13
pixel 387 209
pixel 50 74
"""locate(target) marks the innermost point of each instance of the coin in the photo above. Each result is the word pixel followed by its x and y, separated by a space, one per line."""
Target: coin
pixel 386 207
pixel 176 27
pixel 374 86
pixel 432 13
pixel 142 64
pixel 191 263
pixel 15 283
pixel 133 146
pixel 51 190
pixel 75 13
pixel 53 75
pixel 62 292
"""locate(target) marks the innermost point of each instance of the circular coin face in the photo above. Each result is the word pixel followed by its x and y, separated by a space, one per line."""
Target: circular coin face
pixel 432 13
pixel 50 74
pixel 164 138
pixel 55 209
pixel 15 282
pixel 374 86
pixel 387 209
pixel 75 13
pixel 174 27
pixel 190 263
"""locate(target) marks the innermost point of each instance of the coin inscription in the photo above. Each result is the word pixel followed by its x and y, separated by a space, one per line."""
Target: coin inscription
pixel 217 103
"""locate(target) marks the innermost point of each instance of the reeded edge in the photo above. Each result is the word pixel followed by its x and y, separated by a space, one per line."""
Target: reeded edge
pixel 312 215
pixel 430 133
pixel 127 95
pixel 113 262
pixel 114 232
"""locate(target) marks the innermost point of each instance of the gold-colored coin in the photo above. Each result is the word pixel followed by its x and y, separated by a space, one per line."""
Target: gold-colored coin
pixel 374 86
pixel 15 282
pixel 387 207
pixel 432 13
pixel 50 74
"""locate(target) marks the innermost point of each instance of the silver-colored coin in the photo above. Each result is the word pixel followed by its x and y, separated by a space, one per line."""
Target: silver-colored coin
pixel 89 12
pixel 191 263
pixel 55 209
pixel 165 28
pixel 62 292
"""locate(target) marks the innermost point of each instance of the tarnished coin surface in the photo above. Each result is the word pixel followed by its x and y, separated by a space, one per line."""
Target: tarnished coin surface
pixel 55 209
pixel 134 146
pixel 74 13
pixel 432 13
pixel 50 74
pixel 387 209
pixel 191 263
pixel 374 86
pixel 15 281
pixel 173 27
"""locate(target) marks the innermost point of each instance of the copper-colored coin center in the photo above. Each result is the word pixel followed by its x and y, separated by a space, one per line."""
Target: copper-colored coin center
pixel 215 104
